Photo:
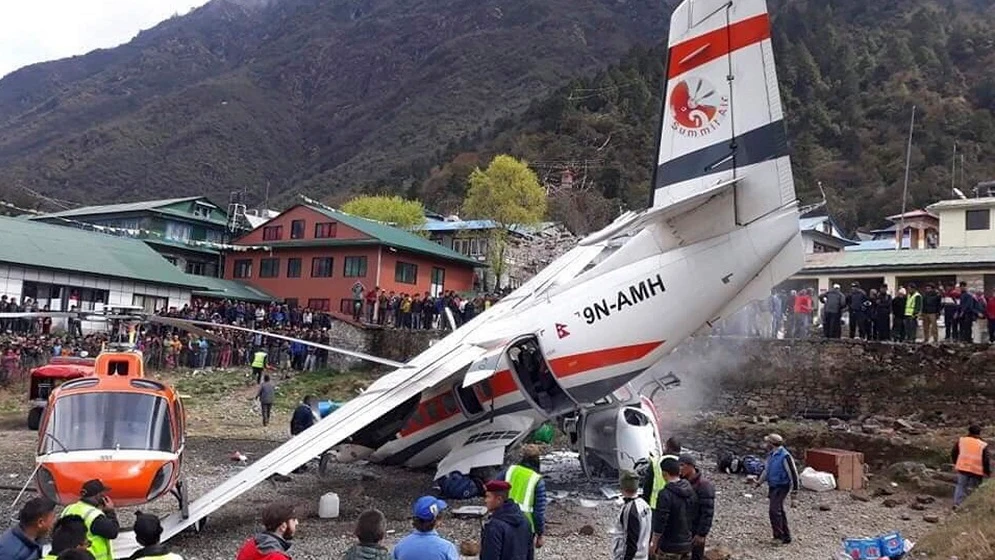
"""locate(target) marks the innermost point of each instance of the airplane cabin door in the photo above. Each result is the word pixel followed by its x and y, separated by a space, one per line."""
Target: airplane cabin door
pixel 538 384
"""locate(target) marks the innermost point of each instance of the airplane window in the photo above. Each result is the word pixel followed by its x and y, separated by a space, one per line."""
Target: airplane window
pixel 485 390
pixel 432 407
pixel 468 398
pixel 91 421
pixel 449 403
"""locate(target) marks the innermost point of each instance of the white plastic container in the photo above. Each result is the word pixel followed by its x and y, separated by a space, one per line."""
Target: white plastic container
pixel 328 506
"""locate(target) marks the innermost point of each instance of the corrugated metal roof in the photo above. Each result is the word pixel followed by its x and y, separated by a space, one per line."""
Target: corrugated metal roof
pixel 37 244
pixel 396 237
pixel 942 257
pixel 229 289
pixel 158 206
pixel 456 225
pixel 963 203
pixel 873 245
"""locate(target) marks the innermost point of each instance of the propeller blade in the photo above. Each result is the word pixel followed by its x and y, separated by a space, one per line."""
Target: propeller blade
pixel 360 355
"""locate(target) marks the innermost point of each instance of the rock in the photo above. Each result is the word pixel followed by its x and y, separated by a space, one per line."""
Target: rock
pixel 835 423
pixel 906 471
pixel 370 477
pixel 469 548
pixel 949 477
pixel 718 553
pixel 917 506
pixel 586 530
pixel 883 491
pixel 891 503
pixel 825 507
pixel 911 428
pixel 860 496
pixel 906 517
pixel 870 428
pixel 925 499
pixel 931 518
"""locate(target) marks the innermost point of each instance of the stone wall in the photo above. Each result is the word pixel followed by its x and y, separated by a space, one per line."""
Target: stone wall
pixel 945 384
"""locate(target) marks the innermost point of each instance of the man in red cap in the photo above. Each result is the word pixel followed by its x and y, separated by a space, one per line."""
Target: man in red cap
pixel 506 534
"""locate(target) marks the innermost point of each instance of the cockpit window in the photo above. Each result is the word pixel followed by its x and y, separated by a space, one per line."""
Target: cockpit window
pixel 109 421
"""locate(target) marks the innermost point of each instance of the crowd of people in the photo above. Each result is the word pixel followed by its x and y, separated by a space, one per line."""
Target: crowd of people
pixel 415 311
pixel 27 343
pixel 912 314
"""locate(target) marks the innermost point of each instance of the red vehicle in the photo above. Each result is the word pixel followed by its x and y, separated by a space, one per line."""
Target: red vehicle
pixel 46 378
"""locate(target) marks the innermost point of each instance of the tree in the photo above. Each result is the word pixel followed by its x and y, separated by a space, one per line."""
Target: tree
pixel 508 193
pixel 406 214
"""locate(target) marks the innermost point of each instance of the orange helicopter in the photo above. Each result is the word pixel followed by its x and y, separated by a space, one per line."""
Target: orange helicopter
pixel 114 424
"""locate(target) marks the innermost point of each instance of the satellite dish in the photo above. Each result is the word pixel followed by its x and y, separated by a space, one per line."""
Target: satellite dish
pixel 959 194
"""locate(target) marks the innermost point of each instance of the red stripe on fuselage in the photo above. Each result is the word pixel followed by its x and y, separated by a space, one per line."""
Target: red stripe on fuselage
pixel 434 410
pixel 715 44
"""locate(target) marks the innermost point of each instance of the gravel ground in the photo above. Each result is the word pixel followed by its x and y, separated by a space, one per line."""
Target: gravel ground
pixel 740 525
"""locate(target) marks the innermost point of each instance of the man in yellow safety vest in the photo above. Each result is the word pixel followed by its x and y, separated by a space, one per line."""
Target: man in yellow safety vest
pixel 971 461
pixel 259 364
pixel 653 479
pixel 97 511
pixel 528 490
pixel 913 307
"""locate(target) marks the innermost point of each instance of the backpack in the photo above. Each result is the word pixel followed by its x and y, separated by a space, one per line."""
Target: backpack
pixel 729 464
pixel 458 486
pixel 752 465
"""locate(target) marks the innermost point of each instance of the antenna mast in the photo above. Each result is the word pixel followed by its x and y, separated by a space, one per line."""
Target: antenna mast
pixel 905 191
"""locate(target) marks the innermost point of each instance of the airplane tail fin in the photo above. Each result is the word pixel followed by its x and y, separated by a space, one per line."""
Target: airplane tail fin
pixel 722 119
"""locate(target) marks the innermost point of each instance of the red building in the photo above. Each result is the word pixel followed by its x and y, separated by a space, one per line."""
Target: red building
pixel 316 255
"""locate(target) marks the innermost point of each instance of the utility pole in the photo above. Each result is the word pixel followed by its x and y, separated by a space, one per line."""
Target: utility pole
pixel 905 191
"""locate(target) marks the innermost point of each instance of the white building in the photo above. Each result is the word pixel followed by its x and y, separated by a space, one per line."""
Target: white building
pixel 62 267
pixel 966 222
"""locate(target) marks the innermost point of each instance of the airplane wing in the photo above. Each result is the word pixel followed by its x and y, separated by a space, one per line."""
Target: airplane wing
pixel 386 394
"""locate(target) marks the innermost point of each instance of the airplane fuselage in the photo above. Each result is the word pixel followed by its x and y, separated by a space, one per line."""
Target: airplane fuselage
pixel 605 327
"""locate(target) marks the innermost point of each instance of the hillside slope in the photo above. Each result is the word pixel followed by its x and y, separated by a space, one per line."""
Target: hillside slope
pixel 324 95
pixel 850 72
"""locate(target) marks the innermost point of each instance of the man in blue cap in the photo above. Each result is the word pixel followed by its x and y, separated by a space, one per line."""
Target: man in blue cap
pixel 424 543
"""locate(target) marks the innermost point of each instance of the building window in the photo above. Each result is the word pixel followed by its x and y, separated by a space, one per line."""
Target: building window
pixel 975 220
pixel 355 267
pixel 243 268
pixel 149 304
pixel 325 230
pixel 318 304
pixel 406 273
pixel 178 232
pixel 297 229
pixel 321 267
pixel 272 233
pixel 269 268
pixel 196 268
pixel 471 246
pixel 294 268
pixel 438 281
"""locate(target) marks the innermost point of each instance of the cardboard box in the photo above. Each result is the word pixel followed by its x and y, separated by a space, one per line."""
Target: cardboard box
pixel 847 466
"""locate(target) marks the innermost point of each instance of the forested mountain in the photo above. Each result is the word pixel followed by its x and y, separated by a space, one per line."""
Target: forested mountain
pixel 850 72
pixel 406 96
pixel 323 95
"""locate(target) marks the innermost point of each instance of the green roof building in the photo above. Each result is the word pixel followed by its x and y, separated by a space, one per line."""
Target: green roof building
pixel 188 231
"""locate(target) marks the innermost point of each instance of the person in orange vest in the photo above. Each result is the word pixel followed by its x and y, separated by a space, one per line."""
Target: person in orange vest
pixel 970 458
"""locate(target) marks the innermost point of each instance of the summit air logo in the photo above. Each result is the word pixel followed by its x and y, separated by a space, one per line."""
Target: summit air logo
pixel 697 108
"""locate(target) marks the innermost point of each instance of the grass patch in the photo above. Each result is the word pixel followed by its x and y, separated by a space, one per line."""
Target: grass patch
pixel 326 385
pixel 967 535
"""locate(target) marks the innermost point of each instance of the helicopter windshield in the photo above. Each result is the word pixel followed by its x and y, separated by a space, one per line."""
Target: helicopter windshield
pixel 91 421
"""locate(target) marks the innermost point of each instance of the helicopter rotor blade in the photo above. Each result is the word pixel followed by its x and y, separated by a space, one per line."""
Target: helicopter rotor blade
pixel 354 354
pixel 39 314
pixel 187 326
